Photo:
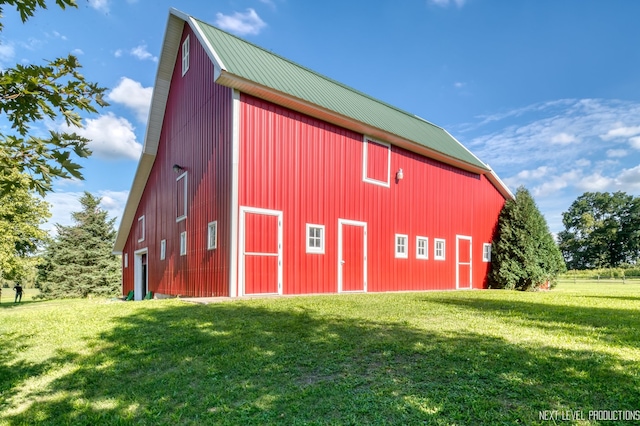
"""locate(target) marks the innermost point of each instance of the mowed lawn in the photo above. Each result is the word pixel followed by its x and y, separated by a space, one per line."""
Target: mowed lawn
pixel 450 358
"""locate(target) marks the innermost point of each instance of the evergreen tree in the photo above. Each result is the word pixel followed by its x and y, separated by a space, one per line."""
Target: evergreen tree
pixel 79 263
pixel 524 254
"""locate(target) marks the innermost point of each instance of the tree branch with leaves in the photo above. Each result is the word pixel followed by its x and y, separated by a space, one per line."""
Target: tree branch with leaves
pixel 32 93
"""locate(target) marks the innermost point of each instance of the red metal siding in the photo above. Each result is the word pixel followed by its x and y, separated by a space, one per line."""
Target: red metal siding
pixel 312 172
pixel 196 134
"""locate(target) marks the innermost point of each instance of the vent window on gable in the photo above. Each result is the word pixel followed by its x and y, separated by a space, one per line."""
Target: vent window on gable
pixel 185 55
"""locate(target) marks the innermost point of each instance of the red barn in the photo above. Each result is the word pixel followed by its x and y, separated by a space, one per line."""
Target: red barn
pixel 260 176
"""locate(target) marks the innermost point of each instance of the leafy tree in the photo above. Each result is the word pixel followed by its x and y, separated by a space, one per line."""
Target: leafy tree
pixel 79 263
pixel 21 215
pixel 602 230
pixel 524 255
pixel 31 93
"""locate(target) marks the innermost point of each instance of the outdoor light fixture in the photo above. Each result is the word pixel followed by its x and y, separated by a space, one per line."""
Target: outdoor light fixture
pixel 177 168
pixel 399 175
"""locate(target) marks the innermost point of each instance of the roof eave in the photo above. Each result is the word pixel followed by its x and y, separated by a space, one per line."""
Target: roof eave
pixel 166 64
pixel 252 88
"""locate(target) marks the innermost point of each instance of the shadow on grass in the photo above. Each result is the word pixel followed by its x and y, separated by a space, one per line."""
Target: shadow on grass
pixel 241 364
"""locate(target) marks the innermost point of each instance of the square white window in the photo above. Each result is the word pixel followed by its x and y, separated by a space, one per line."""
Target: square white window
pixel 126 260
pixel 315 238
pixel 163 249
pixel 140 229
pixel 181 197
pixel 402 249
pixel 183 243
pixel 439 249
pixel 185 55
pixel 212 235
pixel 486 252
pixel 376 162
pixel 422 248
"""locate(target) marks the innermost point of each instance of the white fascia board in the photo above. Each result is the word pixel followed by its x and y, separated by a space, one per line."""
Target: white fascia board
pixel 170 46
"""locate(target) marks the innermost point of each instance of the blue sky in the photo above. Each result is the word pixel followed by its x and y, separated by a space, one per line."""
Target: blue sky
pixel 546 92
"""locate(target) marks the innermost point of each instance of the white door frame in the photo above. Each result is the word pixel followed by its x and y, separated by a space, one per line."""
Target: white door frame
pixel 458 263
pixel 341 262
pixel 242 254
pixel 138 285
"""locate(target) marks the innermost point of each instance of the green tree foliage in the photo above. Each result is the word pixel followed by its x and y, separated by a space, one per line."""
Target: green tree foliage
pixel 32 93
pixel 524 255
pixel 78 262
pixel 21 215
pixel 602 230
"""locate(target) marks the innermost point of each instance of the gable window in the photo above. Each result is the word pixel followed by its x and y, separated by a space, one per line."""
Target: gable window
pixel 376 162
pixel 422 248
pixel 163 249
pixel 183 243
pixel 315 238
pixel 126 260
pixel 181 197
pixel 402 251
pixel 212 235
pixel 185 55
pixel 140 230
pixel 486 252
pixel 439 249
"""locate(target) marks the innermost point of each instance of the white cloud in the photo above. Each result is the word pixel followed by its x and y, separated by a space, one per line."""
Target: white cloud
pixel 111 137
pixel 459 84
pixel 131 94
pixel 621 131
pixel 563 139
pixel 241 23
pixel 595 182
pixel 101 5
pixel 77 52
pixel 65 203
pixel 583 162
pixel 117 53
pixel 616 153
pixel 629 179
pixel 7 53
pixel 141 53
pixel 635 142
pixel 445 3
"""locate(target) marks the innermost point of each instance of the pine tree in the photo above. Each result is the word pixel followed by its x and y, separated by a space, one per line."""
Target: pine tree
pixel 79 262
pixel 524 254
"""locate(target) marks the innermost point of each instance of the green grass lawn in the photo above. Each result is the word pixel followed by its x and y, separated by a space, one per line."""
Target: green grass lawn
pixel 454 358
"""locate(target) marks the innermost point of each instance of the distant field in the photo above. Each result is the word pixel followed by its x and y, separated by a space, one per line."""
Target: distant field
pixel 464 358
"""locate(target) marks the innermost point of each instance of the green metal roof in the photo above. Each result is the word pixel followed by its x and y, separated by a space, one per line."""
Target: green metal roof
pixel 253 63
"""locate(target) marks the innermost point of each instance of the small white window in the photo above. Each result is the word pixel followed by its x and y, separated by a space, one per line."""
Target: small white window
pixel 181 197
pixel 163 249
pixel 402 250
pixel 141 228
pixel 422 248
pixel 439 249
pixel 212 235
pixel 126 260
pixel 486 252
pixel 185 55
pixel 315 238
pixel 183 243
